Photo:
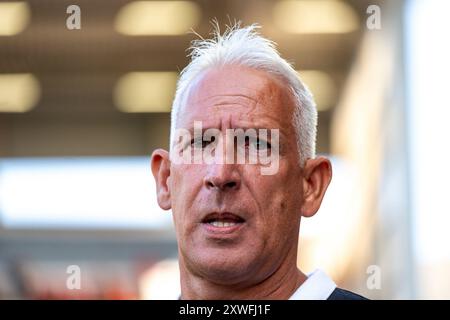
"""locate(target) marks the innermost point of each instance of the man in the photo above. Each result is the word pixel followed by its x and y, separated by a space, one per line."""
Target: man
pixel 237 226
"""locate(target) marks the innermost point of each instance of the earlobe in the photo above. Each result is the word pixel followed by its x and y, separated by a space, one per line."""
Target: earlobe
pixel 160 165
pixel 316 178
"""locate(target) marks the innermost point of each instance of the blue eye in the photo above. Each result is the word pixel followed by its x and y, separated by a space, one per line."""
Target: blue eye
pixel 259 144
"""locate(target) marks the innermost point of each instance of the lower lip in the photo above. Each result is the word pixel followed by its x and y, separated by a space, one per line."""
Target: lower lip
pixel 223 230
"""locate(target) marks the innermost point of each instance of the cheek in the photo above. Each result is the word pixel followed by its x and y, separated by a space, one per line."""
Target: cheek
pixel 178 196
pixel 185 182
pixel 280 200
pixel 281 225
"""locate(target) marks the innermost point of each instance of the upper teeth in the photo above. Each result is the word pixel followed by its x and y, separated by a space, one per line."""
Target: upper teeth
pixel 222 224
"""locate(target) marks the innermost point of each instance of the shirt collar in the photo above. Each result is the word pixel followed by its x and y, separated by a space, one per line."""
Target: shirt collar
pixel 318 286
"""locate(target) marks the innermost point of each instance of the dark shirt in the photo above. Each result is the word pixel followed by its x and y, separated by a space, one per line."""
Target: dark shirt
pixel 341 294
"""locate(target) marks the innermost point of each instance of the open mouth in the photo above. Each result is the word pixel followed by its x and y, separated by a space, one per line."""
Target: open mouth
pixel 223 220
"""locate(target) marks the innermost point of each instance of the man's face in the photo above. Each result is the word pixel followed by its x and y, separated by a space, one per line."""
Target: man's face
pixel 234 224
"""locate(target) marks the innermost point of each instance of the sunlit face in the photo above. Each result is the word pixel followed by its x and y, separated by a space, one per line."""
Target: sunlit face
pixel 233 224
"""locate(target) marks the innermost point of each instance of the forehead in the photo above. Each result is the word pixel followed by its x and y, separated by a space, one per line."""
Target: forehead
pixel 243 95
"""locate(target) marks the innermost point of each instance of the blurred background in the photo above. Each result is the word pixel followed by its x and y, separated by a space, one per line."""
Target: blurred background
pixel 82 106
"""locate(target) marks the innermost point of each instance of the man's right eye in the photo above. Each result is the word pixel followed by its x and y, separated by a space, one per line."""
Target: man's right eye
pixel 200 143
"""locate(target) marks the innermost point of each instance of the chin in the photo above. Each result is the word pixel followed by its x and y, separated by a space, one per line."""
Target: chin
pixel 224 267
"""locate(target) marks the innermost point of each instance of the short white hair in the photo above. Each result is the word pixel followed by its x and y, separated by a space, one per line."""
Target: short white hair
pixel 246 47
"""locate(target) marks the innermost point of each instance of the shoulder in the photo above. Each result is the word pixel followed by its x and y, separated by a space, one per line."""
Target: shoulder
pixel 342 294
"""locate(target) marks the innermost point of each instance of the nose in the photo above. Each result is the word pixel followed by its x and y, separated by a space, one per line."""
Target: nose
pixel 223 177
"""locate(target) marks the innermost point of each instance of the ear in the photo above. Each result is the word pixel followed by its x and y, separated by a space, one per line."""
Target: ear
pixel 160 164
pixel 316 178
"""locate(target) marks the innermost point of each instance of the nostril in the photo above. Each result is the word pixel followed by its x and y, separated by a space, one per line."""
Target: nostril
pixel 222 186
pixel 230 185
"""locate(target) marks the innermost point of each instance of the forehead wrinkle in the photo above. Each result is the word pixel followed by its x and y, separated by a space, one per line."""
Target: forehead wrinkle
pixel 260 99
pixel 227 100
pixel 254 99
pixel 251 84
pixel 257 114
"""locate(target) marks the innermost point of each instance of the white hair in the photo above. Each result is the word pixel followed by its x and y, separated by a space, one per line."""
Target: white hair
pixel 246 47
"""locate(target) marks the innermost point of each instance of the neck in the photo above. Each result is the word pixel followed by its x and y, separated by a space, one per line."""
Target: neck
pixel 279 285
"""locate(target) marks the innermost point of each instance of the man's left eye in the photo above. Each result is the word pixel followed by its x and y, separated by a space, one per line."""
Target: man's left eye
pixel 258 143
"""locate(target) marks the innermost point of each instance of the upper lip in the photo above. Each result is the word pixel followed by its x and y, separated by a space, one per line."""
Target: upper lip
pixel 222 216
